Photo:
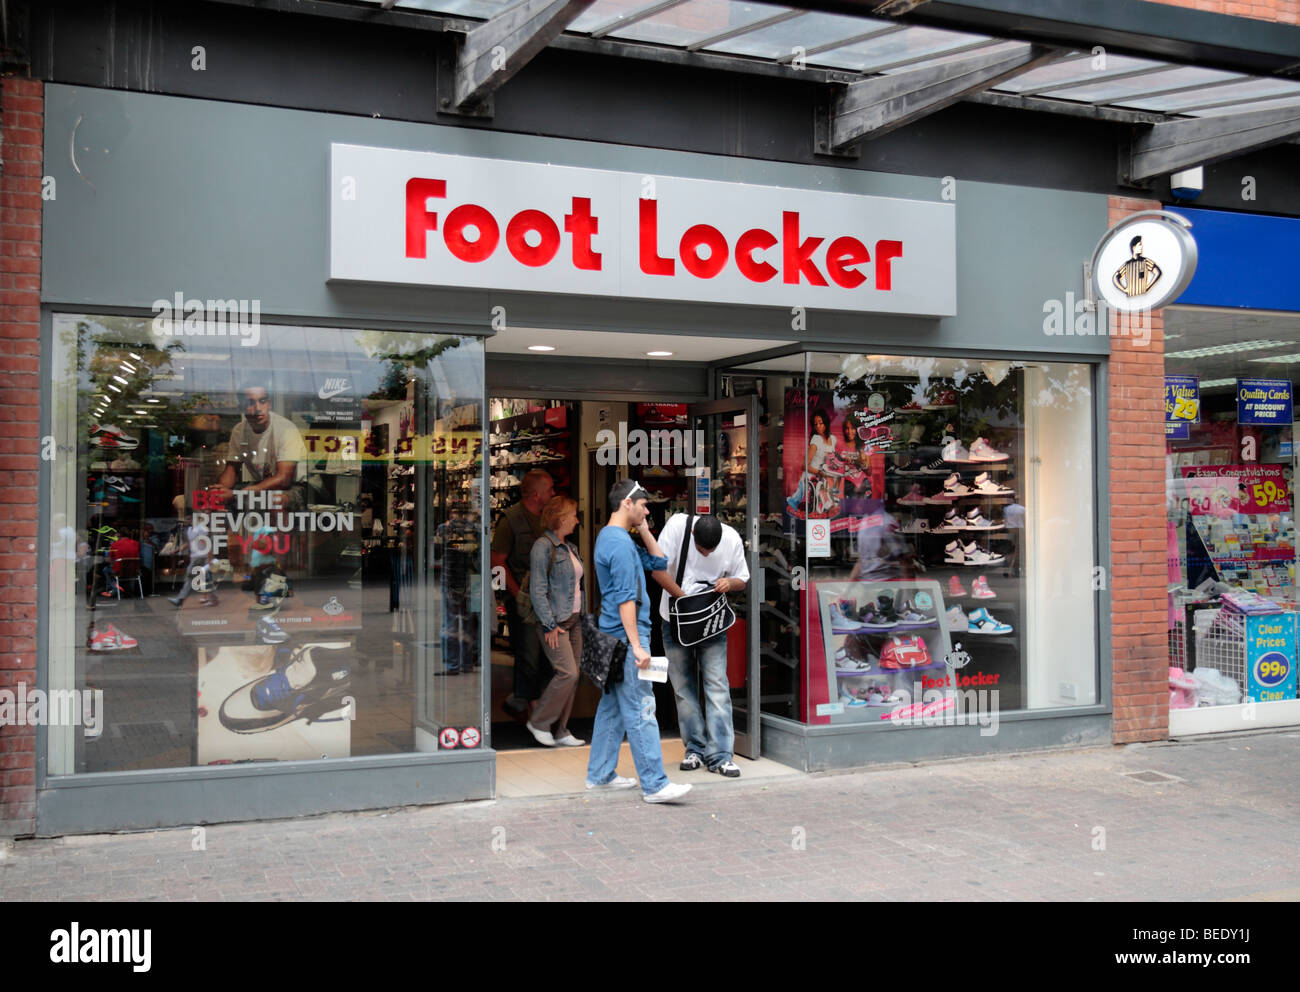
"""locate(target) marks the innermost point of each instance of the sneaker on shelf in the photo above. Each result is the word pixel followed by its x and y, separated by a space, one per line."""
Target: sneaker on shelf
pixel 914 496
pixel 936 466
pixel 911 406
pixel 954 487
pixel 670 793
pixel 657 472
pixel 941 498
pixel 954 554
pixel 980 589
pixel 107 436
pixel 982 623
pixel 847 664
pixel 917 436
pixel 112 639
pixel 985 486
pixel 975 555
pixel 955 588
pixel 841 622
pixel 617 782
pixel 944 399
pixel 917 525
pixel 982 451
pixel 956 453
pixel 851 697
pixel 955 619
pixel 975 520
pixel 871 619
pixel 951 523
pixel 912 618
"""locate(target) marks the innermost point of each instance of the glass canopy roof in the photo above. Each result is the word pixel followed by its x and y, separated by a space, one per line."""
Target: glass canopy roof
pixel 870 46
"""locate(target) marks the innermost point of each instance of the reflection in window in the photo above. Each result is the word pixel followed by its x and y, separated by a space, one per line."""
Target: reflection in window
pixel 264 544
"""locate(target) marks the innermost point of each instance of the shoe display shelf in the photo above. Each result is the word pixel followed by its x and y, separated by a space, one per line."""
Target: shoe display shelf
pixel 919 646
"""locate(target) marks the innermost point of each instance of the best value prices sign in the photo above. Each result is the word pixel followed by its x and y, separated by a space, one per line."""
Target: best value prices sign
pixel 427 219
pixel 1182 404
pixel 1271 657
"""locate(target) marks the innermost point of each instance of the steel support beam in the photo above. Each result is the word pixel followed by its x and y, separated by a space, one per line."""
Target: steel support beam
pixel 495 50
pixel 881 104
pixel 1166 148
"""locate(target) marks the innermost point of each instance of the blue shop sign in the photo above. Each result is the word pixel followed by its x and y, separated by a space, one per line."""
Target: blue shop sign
pixel 1245 260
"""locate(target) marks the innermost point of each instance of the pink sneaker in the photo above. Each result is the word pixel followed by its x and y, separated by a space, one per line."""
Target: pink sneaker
pixel 955 588
pixel 982 451
pixel 980 589
pixel 914 496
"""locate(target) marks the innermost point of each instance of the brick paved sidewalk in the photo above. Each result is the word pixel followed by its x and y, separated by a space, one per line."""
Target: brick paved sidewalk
pixel 1021 827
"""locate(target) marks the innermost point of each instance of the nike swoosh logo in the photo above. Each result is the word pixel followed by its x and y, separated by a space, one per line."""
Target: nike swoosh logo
pixel 327 394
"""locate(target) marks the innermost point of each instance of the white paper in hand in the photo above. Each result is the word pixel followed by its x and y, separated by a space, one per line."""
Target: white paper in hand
pixel 657 672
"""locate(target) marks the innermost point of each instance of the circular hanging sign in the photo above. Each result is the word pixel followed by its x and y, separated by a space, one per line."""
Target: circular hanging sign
pixel 1145 261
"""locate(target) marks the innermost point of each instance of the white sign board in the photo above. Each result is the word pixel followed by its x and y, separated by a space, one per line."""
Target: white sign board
pixel 427 219
pixel 1144 263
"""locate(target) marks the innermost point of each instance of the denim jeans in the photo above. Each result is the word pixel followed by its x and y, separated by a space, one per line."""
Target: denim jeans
pixel 629 709
pixel 708 658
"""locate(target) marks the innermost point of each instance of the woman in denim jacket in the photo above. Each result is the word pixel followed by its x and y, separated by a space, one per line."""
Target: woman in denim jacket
pixel 555 587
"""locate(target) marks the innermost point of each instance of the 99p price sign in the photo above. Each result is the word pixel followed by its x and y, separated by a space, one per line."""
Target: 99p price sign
pixel 1271 657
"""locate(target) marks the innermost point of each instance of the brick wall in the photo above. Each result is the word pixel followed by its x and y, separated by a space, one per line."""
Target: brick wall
pixel 1139 605
pixel 1283 11
pixel 21 119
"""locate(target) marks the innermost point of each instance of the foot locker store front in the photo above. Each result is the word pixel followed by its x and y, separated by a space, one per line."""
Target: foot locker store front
pixel 288 421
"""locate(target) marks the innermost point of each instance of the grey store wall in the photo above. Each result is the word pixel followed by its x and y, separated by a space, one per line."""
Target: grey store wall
pixel 220 200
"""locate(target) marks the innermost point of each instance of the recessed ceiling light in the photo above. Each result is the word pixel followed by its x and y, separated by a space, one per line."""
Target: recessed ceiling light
pixel 1226 349
pixel 114 388
pixel 143 412
pixel 135 356
pixel 1211 383
pixel 1279 359
pixel 121 380
pixel 541 347
pixel 659 354
pixel 153 401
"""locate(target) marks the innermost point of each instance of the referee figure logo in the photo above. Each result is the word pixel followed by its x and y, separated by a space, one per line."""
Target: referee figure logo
pixel 1136 276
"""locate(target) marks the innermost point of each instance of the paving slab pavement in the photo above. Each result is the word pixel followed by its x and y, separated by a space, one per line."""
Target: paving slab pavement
pixel 1213 819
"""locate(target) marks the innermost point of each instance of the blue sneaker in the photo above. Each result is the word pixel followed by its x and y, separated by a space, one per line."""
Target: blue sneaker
pixel 270 632
pixel 842 624
pixel 981 622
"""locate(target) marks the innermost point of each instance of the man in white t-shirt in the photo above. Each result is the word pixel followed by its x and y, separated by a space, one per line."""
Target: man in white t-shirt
pixel 266 449
pixel 715 559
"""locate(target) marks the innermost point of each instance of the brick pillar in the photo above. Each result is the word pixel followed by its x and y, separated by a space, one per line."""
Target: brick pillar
pixel 1138 547
pixel 22 104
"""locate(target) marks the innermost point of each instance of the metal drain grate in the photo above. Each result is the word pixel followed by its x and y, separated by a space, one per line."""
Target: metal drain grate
pixel 1150 777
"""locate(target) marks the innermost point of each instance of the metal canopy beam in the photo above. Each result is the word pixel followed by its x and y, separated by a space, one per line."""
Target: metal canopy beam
pixel 1178 145
pixel 497 49
pixel 1146 30
pixel 881 104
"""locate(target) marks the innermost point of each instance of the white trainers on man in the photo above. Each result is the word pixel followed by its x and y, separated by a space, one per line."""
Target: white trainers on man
pixel 617 782
pixel 543 736
pixel 728 768
pixel 668 794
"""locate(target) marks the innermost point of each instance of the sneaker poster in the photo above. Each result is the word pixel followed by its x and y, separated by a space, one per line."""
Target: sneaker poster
pixel 268 703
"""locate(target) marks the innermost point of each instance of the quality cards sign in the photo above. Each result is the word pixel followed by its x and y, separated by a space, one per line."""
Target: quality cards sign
pixel 427 219
pixel 1264 402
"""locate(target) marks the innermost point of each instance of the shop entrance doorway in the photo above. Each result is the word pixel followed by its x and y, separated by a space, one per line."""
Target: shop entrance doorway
pixel 690 457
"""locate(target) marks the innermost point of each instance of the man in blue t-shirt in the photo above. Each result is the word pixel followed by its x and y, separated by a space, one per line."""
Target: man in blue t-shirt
pixel 629 707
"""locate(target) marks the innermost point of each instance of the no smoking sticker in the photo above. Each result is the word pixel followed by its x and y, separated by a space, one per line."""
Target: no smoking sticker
pixel 469 737
pixel 819 539
pixel 449 737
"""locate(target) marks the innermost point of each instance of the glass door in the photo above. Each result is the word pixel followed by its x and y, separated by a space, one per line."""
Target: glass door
pixel 726 484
